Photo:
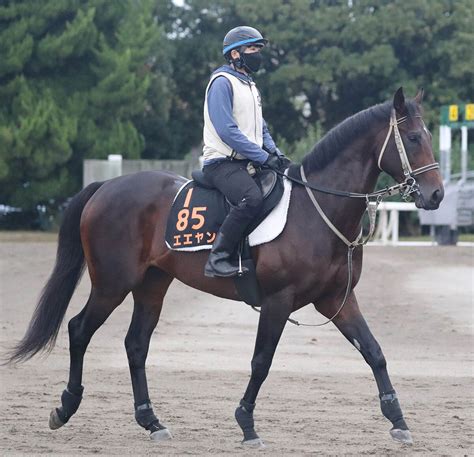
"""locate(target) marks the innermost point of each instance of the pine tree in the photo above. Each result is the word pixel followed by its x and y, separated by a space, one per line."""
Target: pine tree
pixel 75 76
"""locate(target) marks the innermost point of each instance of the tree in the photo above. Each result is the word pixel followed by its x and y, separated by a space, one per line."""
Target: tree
pixel 343 57
pixel 328 59
pixel 86 78
pixel 76 78
pixel 196 32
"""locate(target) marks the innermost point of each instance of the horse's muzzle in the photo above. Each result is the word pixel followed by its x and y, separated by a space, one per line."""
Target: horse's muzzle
pixel 432 201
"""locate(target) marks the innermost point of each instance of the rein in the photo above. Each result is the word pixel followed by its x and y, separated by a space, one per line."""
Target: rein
pixel 405 188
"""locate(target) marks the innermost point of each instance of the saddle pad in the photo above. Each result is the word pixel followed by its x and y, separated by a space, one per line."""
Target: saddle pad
pixel 197 213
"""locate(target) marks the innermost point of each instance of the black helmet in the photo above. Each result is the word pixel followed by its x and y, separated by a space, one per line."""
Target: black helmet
pixel 240 36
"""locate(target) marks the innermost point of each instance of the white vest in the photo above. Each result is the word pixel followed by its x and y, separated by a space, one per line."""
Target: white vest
pixel 247 112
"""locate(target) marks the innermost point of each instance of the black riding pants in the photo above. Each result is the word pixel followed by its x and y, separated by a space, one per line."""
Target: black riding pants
pixel 233 180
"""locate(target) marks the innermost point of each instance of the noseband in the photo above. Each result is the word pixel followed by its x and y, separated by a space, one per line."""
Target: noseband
pixel 410 185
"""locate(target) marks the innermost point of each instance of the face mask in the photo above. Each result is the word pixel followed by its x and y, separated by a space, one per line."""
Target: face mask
pixel 252 61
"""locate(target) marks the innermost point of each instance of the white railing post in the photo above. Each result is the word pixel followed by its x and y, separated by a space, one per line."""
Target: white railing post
pixel 464 154
pixel 383 223
pixel 387 232
pixel 395 225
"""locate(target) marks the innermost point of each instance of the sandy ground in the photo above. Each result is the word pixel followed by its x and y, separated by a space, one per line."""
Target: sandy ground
pixel 320 397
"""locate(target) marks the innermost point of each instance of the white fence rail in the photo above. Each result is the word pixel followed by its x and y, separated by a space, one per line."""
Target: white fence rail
pixel 101 170
pixel 387 232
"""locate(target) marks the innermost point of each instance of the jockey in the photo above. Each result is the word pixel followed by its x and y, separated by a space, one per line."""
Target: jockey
pixel 236 135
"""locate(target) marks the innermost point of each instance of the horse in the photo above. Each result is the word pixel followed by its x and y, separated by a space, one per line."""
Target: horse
pixel 117 229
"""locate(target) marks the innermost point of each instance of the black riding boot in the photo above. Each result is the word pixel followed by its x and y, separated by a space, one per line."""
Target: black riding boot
pixel 219 262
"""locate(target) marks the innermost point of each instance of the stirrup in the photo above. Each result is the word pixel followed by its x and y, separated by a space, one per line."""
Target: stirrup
pixel 211 272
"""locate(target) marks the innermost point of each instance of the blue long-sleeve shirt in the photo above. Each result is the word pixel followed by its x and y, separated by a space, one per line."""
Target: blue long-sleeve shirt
pixel 220 106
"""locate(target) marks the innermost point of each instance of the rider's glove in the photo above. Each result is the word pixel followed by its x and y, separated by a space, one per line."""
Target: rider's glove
pixel 272 162
pixel 285 162
pixel 278 153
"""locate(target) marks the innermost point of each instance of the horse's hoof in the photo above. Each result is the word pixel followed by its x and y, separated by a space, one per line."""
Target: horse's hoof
pixel 255 443
pixel 402 436
pixel 161 435
pixel 54 421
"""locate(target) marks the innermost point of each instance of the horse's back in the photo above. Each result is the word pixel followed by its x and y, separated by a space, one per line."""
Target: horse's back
pixel 134 191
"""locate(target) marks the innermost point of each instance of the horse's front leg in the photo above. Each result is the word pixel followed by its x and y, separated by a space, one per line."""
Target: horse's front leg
pixel 273 317
pixel 353 326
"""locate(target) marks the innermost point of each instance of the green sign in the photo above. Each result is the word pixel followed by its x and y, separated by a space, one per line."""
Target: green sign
pixel 458 115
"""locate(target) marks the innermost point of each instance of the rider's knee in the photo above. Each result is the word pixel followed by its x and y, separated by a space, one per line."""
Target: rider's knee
pixel 254 201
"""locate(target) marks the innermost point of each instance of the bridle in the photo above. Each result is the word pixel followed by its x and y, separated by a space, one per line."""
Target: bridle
pixel 407 187
pixel 373 199
pixel 410 184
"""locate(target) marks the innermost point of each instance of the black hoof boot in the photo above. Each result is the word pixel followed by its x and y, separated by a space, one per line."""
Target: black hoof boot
pixel 145 417
pixel 244 417
pixel 70 400
pixel 392 411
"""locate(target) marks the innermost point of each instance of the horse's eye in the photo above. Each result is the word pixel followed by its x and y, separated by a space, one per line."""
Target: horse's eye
pixel 415 137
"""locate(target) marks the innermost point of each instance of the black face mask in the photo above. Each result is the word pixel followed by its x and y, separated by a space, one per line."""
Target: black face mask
pixel 251 61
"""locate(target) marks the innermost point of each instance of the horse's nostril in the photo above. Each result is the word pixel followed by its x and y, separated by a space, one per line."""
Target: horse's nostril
pixel 437 196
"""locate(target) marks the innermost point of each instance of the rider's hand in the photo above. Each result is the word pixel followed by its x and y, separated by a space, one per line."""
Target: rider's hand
pixel 285 162
pixel 272 162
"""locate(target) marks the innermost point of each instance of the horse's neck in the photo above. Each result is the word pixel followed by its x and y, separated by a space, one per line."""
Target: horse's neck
pixel 354 170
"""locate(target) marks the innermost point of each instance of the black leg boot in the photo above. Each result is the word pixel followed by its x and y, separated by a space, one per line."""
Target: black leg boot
pixel 219 262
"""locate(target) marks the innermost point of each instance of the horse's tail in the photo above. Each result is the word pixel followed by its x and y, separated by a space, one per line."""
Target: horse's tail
pixel 54 299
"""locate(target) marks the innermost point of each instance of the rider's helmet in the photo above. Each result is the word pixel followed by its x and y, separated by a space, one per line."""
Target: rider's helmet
pixel 241 36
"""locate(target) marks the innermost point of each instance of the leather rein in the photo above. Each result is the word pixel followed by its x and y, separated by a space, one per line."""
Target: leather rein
pixel 372 199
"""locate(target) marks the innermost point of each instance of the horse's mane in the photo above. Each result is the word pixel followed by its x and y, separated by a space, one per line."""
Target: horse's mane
pixel 340 136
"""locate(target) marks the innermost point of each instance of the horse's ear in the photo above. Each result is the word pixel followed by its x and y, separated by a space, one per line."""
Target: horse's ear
pixel 419 96
pixel 399 102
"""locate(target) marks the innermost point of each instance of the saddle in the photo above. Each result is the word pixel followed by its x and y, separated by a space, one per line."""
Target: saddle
pixel 198 211
pixel 269 183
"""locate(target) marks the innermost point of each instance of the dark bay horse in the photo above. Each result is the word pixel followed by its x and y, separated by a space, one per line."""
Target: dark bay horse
pixel 117 229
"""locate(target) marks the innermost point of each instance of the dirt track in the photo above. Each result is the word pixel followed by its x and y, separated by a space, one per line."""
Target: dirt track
pixel 320 397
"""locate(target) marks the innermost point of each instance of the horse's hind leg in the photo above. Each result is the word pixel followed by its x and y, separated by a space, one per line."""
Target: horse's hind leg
pixel 81 328
pixel 353 326
pixel 148 299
